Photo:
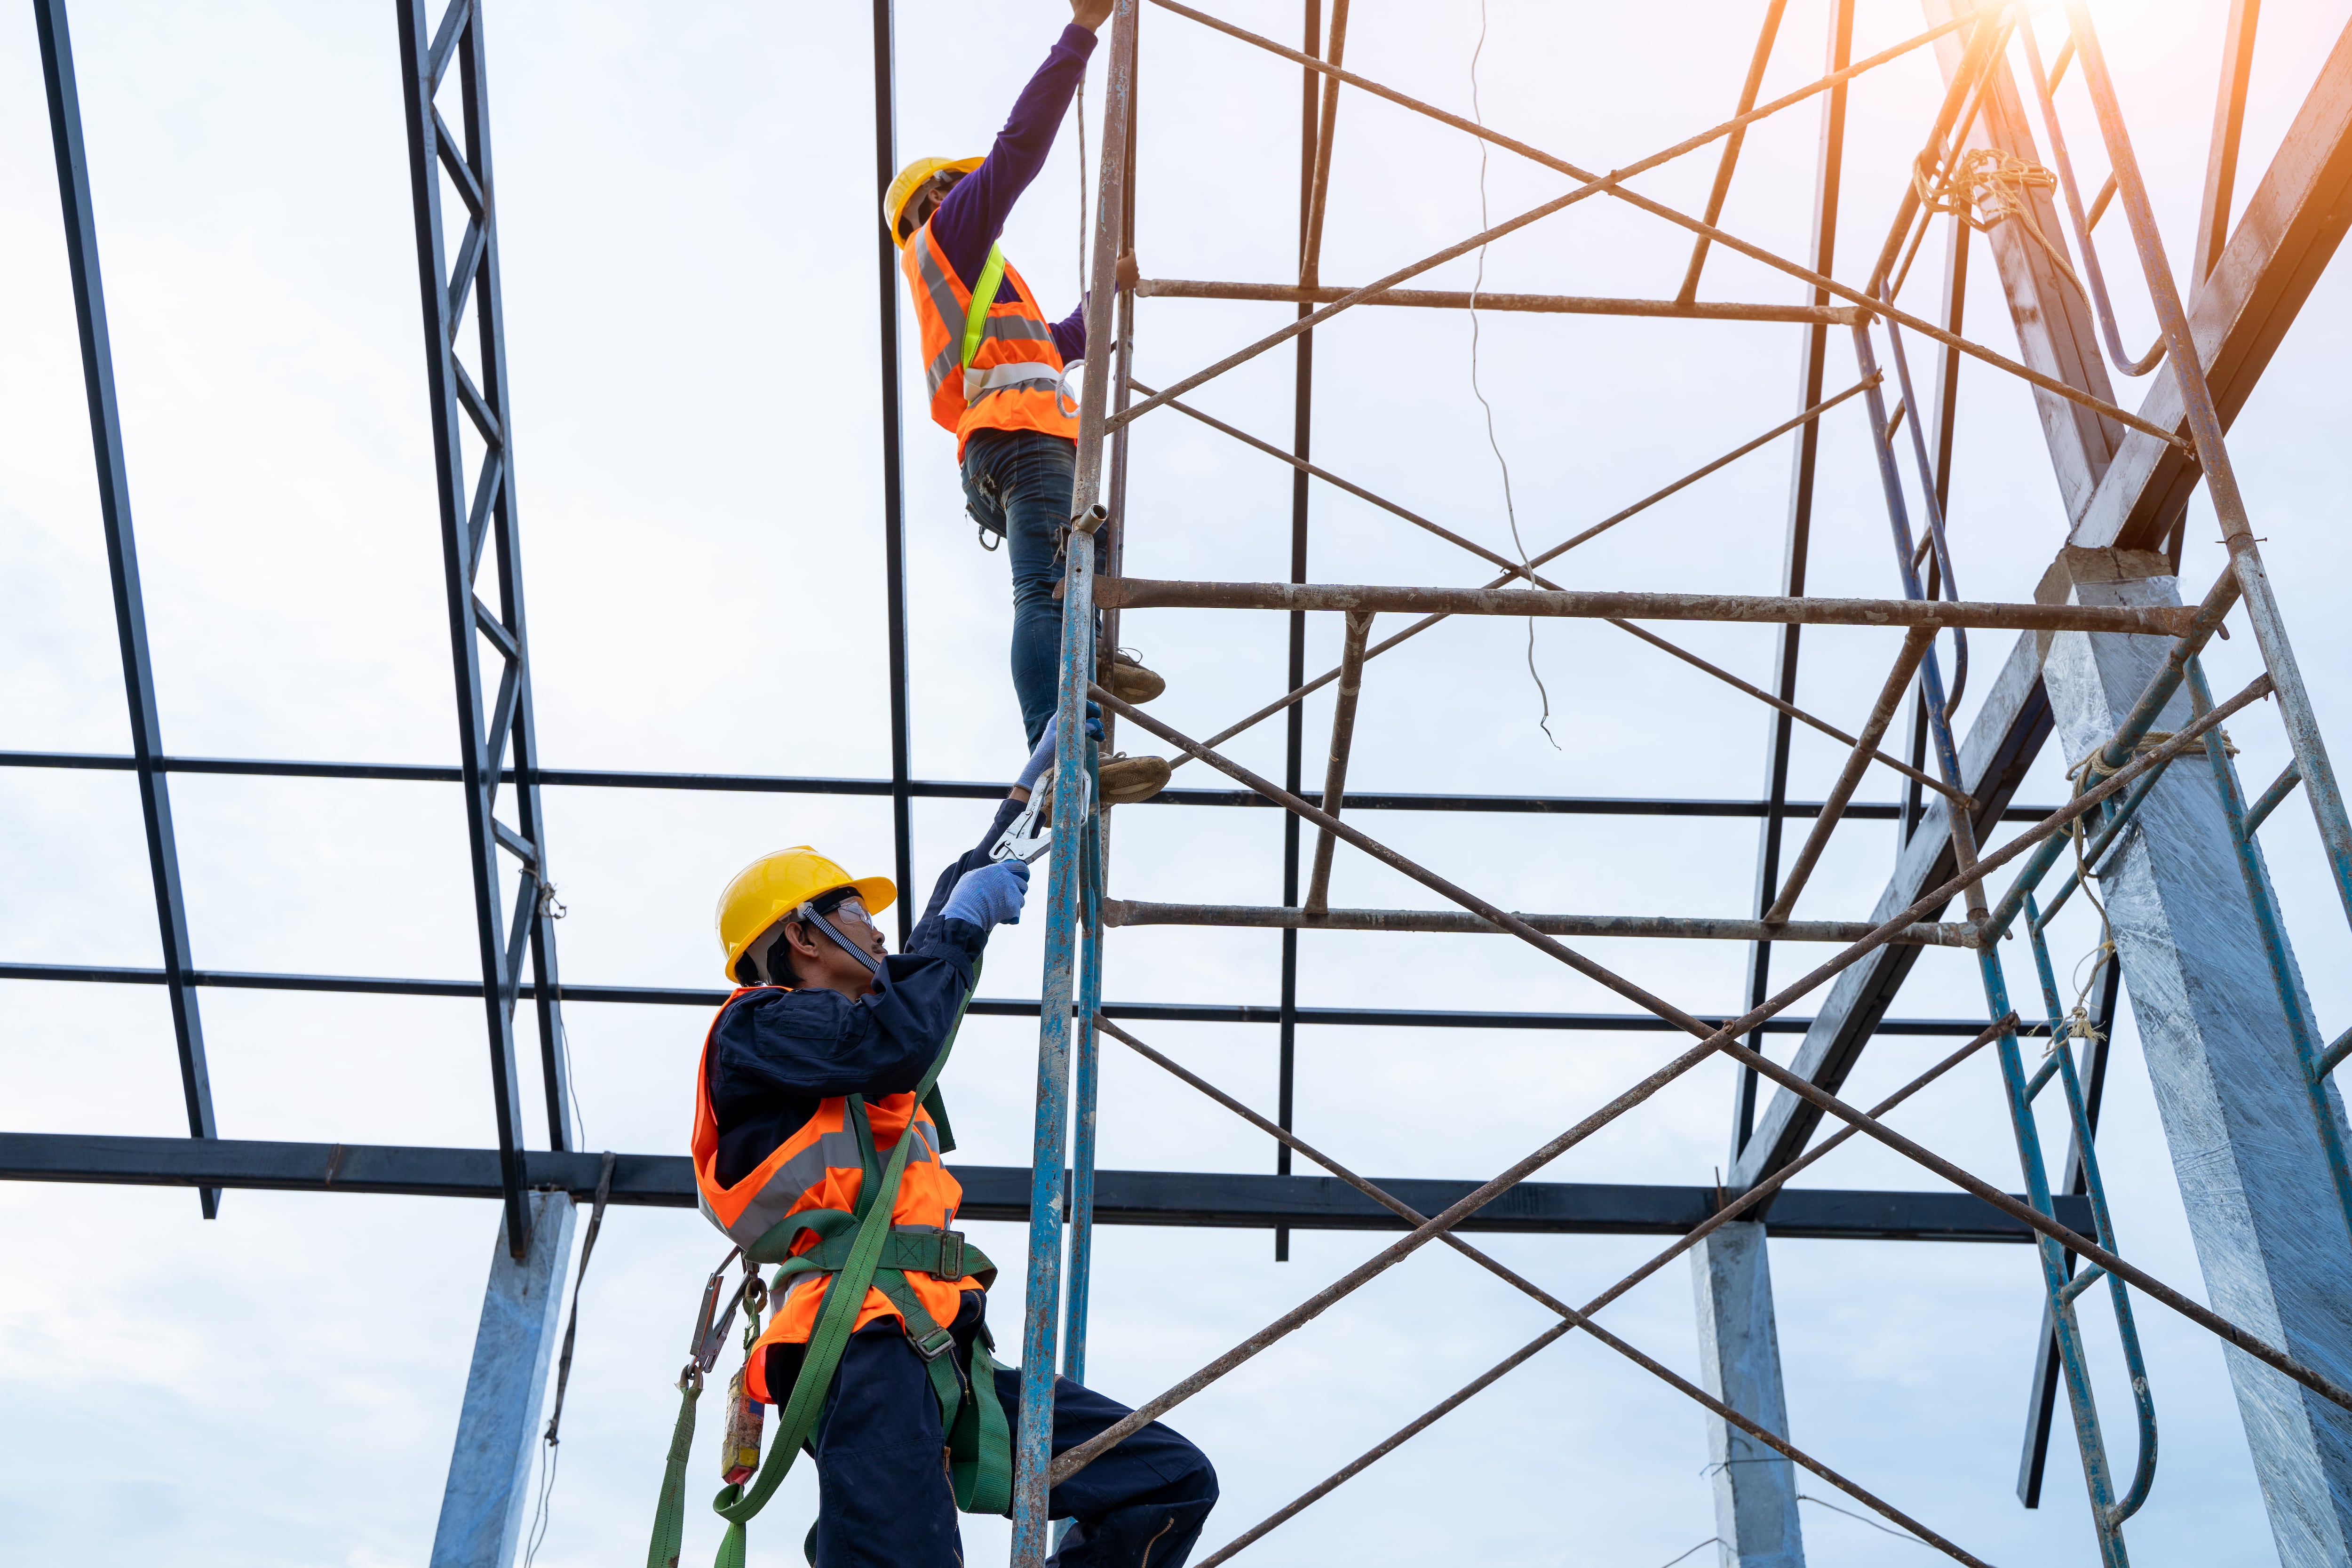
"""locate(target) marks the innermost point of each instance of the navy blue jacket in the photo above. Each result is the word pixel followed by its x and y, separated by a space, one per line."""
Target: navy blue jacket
pixel 777 1053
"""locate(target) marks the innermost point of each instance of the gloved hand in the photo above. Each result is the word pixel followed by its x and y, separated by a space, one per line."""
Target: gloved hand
pixel 989 897
pixel 1042 758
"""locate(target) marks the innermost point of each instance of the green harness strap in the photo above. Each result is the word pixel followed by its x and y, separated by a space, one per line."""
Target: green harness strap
pixel 979 1440
pixel 983 295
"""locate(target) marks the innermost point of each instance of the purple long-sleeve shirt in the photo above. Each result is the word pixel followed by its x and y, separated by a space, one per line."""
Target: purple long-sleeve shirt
pixel 971 216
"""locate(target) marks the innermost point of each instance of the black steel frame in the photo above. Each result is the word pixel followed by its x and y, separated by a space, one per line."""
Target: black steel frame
pixel 498 748
pixel 123 569
pixel 472 515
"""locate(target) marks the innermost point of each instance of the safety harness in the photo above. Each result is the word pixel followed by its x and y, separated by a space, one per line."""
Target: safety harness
pixel 863 1250
pixel 979 383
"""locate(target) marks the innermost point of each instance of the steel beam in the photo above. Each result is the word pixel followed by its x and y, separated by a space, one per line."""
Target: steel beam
pixel 487 1499
pixel 2007 734
pixel 1755 1489
pixel 1189 1199
pixel 2239 313
pixel 2262 1209
pixel 122 568
pixel 476 507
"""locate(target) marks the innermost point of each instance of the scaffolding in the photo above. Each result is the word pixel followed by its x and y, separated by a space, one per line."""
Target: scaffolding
pixel 2107 656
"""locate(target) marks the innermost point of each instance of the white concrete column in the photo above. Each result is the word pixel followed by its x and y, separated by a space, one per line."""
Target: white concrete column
pixel 489 1495
pixel 2270 1233
pixel 1739 1364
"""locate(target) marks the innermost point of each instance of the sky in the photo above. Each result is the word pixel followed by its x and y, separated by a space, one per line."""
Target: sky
pixel 687 210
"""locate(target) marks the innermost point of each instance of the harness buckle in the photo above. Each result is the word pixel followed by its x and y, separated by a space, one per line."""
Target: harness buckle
pixel 950 1268
pixel 933 1345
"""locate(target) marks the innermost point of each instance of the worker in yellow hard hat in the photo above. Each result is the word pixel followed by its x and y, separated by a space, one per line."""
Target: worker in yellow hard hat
pixel 811 1077
pixel 995 369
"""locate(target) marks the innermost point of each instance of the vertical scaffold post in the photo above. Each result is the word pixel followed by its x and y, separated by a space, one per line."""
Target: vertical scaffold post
pixel 1082 1117
pixel 894 494
pixel 1756 1504
pixel 1066 908
pixel 123 569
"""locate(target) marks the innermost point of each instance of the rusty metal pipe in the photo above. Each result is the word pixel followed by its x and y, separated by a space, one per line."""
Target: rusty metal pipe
pixel 1612 183
pixel 1918 775
pixel 1749 88
pixel 1573 1317
pixel 1532 304
pixel 1147 592
pixel 1310 258
pixel 1512 569
pixel 1334 772
pixel 1703 928
pixel 1516 570
pixel 1723 1040
pixel 1857 763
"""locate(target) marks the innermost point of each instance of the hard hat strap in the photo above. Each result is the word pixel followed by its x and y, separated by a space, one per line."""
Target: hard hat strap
pixel 808 911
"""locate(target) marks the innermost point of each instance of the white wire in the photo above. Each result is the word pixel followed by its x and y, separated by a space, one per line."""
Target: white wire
pixel 1710 1540
pixel 1860 1519
pixel 1509 509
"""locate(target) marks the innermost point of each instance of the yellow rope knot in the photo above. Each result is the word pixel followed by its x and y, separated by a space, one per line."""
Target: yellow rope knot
pixel 1987 185
pixel 2094 766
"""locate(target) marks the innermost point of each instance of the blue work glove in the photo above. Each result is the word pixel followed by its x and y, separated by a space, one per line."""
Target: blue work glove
pixel 989 897
pixel 1042 758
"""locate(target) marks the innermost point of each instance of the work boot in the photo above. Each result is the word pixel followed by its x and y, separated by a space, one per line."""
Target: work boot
pixel 1131 682
pixel 1126 780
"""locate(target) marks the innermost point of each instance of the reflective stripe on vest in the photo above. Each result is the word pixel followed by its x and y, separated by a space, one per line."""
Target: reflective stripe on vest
pixel 1010 366
pixel 819 1165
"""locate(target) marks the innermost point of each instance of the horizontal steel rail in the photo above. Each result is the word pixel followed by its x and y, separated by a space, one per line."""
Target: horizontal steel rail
pixel 951 789
pixel 1538 304
pixel 1206 1199
pixel 1134 912
pixel 1168 594
pixel 980 1007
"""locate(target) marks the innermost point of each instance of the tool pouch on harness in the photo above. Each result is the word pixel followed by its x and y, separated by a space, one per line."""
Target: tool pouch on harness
pixel 860 1250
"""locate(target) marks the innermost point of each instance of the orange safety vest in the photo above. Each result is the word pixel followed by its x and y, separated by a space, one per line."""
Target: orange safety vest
pixel 1004 375
pixel 819 1167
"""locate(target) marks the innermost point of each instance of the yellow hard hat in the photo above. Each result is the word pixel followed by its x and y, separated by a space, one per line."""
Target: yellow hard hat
pixel 911 180
pixel 773 886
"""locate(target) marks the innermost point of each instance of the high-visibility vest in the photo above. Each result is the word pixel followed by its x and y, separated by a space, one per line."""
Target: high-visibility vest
pixel 992 369
pixel 820 1166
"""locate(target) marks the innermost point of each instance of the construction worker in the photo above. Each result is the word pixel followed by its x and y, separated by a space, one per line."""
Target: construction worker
pixel 827 1015
pixel 995 376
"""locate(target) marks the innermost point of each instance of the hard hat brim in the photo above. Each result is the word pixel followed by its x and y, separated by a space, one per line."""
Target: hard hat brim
pixel 877 893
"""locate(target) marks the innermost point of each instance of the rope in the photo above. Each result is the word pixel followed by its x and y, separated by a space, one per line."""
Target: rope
pixel 2092 768
pixel 1987 186
pixel 1509 509
pixel 564 1365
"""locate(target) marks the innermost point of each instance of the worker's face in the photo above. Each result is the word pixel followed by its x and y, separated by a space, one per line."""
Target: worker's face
pixel 926 200
pixel 851 920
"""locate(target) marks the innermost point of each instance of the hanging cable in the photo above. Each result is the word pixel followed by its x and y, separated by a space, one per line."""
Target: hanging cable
pixel 553 1438
pixel 1509 510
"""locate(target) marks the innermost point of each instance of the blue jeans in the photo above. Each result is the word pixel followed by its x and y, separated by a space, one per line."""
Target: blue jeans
pixel 883 1495
pixel 1018 483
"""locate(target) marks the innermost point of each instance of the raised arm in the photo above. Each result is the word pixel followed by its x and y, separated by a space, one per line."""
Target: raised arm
pixel 972 214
